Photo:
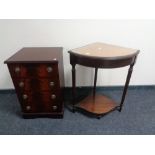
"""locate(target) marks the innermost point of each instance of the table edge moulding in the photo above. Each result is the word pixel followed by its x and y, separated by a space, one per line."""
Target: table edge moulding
pixel 100 55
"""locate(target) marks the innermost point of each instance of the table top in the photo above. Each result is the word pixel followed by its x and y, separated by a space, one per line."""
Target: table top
pixel 36 54
pixel 102 50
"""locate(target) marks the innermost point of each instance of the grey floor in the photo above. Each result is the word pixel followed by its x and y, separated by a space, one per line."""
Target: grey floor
pixel 137 117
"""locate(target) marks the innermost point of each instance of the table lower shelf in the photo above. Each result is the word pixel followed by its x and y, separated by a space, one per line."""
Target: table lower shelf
pixel 98 106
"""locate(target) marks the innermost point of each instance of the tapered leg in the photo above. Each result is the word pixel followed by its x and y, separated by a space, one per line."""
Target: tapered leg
pixel 95 80
pixel 73 86
pixel 126 86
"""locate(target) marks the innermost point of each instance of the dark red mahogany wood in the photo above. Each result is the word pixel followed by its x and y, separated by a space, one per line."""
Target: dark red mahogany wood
pixel 98 105
pixel 38 77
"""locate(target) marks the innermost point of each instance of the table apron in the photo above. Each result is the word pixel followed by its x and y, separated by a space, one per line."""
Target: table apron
pixel 101 63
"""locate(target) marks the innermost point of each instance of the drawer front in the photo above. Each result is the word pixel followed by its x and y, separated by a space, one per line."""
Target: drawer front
pixel 43 84
pixel 28 107
pixel 41 102
pixel 33 70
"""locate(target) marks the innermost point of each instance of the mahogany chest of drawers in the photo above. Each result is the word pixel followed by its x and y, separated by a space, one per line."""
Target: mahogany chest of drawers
pixel 38 76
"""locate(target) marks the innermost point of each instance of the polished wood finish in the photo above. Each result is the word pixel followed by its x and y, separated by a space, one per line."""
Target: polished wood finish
pixel 95 80
pixel 100 55
pixel 127 83
pixel 99 105
pixel 38 77
pixel 102 50
pixel 36 55
pixel 40 84
pixel 74 85
pixel 101 62
pixel 33 70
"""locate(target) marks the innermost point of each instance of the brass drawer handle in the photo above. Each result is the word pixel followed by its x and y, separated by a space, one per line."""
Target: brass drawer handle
pixel 21 84
pixel 49 69
pixel 25 96
pixel 53 96
pixel 52 84
pixel 17 69
pixel 54 107
pixel 28 107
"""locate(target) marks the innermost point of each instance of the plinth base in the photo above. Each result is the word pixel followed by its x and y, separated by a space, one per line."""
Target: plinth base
pixel 39 115
pixel 98 106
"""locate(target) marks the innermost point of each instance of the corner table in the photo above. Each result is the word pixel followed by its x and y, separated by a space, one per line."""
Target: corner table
pixel 100 55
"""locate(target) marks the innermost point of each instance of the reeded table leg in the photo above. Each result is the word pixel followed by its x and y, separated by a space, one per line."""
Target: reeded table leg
pixel 95 80
pixel 126 86
pixel 73 86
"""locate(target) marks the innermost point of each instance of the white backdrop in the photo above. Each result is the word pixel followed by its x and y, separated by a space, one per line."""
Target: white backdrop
pixel 139 34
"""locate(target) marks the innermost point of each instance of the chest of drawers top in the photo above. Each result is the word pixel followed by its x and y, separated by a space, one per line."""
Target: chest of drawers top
pixel 37 55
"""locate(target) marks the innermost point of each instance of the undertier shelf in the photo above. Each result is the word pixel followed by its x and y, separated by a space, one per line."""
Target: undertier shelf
pixel 98 105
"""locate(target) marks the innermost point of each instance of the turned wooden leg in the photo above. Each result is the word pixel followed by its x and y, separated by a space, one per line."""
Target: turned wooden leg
pixel 126 86
pixel 73 86
pixel 95 80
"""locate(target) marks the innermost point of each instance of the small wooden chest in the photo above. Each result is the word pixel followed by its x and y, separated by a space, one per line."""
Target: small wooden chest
pixel 38 76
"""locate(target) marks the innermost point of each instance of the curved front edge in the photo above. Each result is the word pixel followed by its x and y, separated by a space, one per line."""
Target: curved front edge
pixel 91 114
pixel 102 62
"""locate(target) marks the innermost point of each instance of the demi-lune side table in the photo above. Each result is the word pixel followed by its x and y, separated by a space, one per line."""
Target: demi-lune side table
pixel 100 55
